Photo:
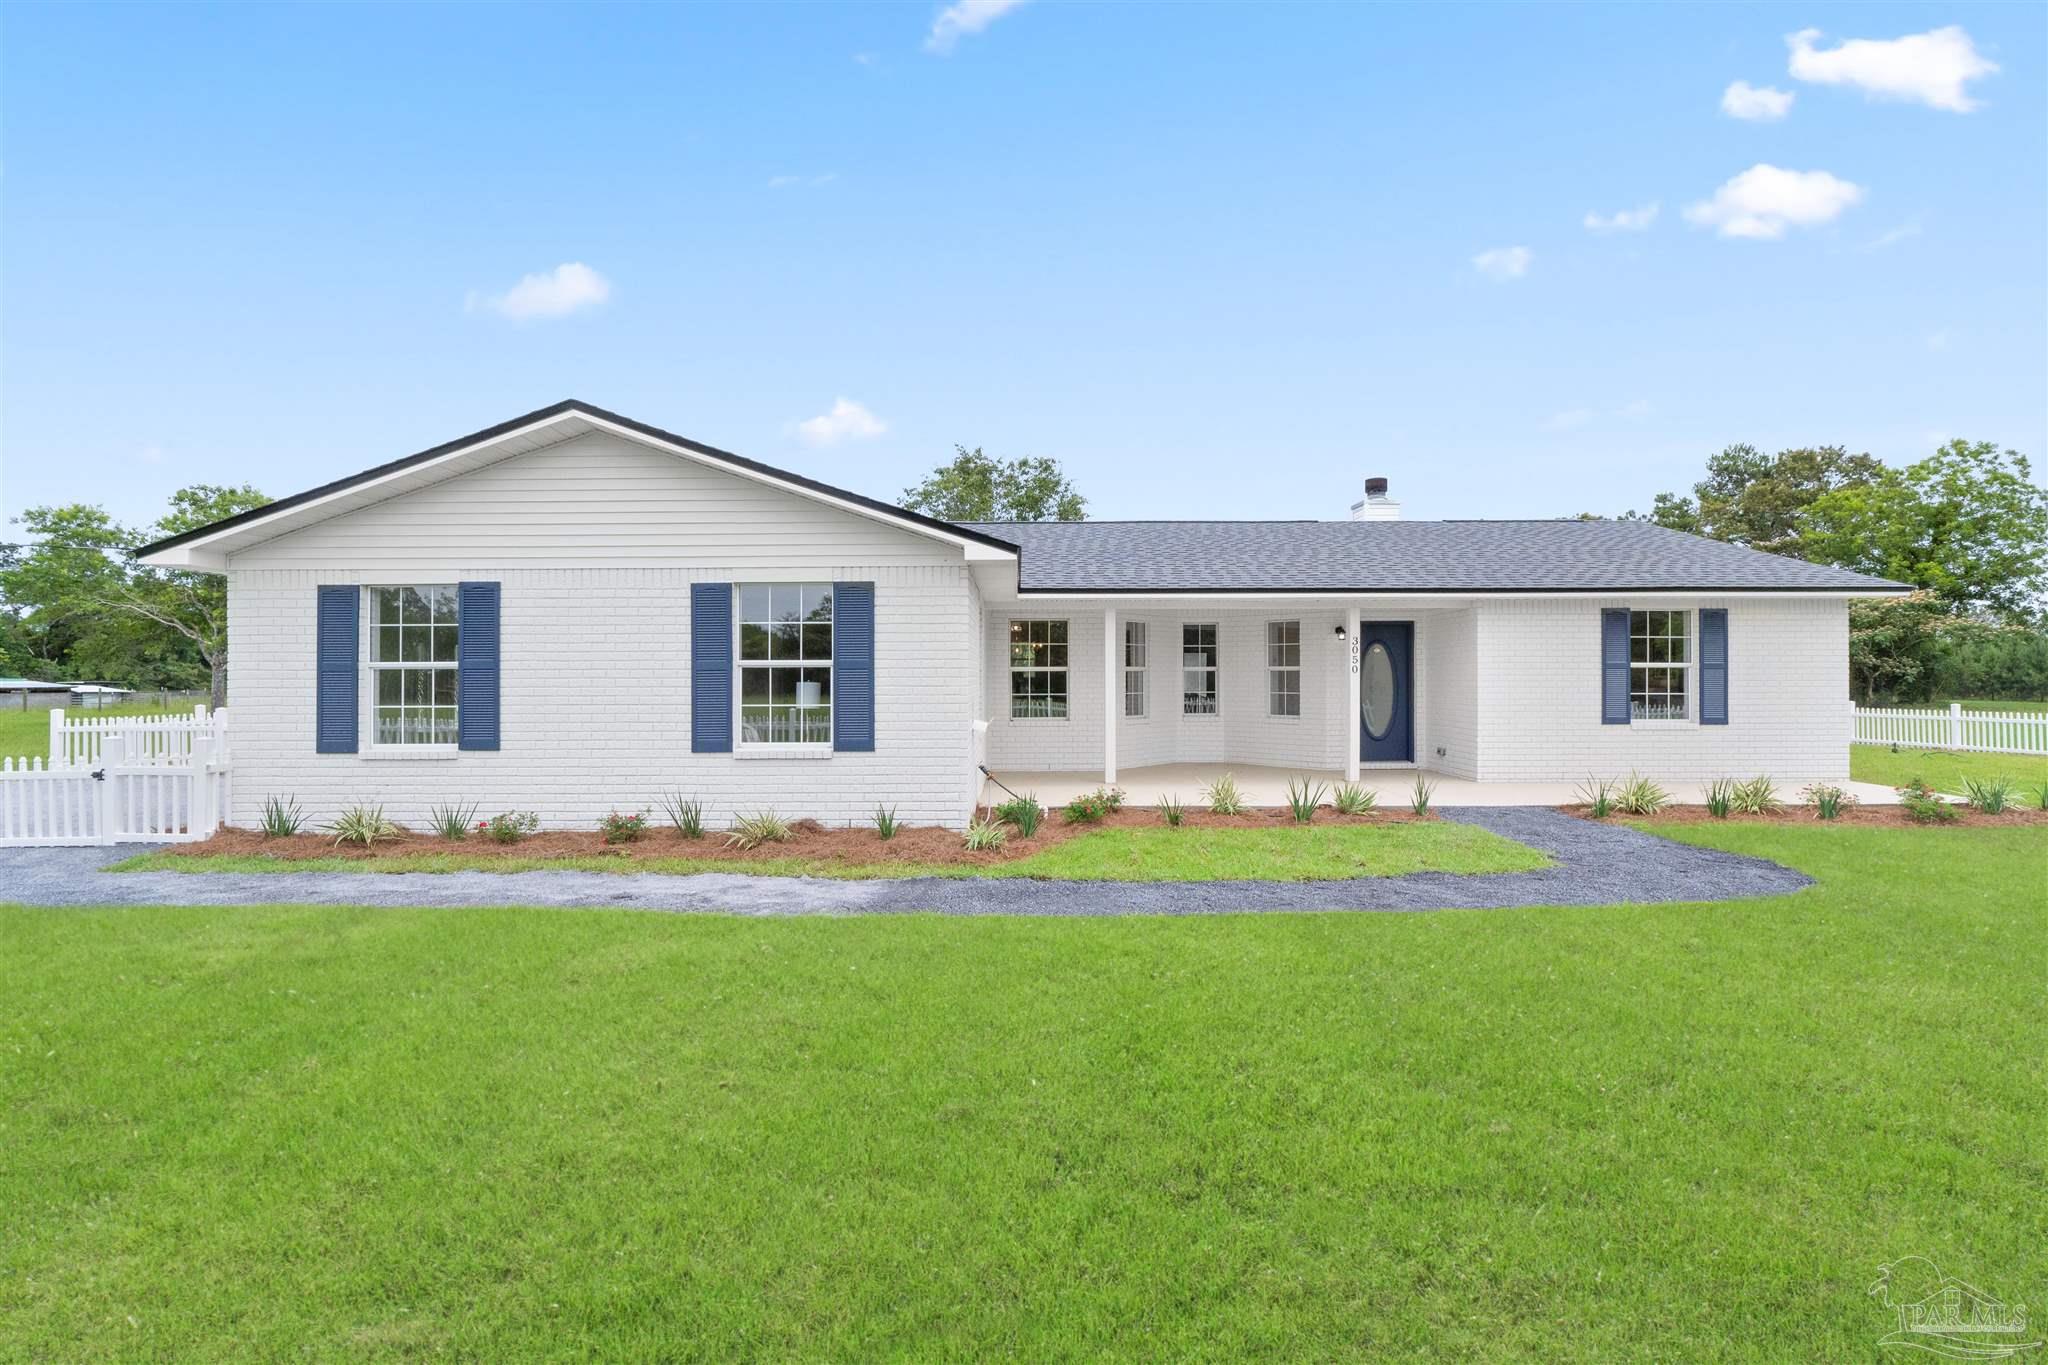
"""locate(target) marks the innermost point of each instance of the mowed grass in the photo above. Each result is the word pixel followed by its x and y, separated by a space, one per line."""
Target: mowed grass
pixel 1666 1132
pixel 1286 853
pixel 26 734
pixel 1945 770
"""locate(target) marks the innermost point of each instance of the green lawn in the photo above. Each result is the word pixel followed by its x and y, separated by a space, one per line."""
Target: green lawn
pixel 1944 770
pixel 1670 1132
pixel 26 734
pixel 1145 853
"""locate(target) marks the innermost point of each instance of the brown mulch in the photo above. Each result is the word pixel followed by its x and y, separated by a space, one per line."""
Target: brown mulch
pixel 808 839
pixel 1802 815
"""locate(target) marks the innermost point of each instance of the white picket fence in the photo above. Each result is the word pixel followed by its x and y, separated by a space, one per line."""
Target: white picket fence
pixel 75 740
pixel 1933 727
pixel 178 791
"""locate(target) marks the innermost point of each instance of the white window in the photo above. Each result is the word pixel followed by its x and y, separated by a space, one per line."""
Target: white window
pixel 1038 670
pixel 413 640
pixel 1135 668
pixel 1283 668
pixel 785 663
pixel 1659 664
pixel 1198 670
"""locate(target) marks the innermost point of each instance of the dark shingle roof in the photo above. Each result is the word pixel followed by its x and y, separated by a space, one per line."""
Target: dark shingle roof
pixel 1398 556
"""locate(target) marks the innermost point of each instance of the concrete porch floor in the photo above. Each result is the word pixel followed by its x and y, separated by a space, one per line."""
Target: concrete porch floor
pixel 1263 786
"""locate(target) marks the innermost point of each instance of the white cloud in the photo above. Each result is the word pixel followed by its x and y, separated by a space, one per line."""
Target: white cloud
pixel 1758 103
pixel 1764 200
pixel 846 420
pixel 1930 68
pixel 1624 220
pixel 1902 232
pixel 1504 262
pixel 150 454
pixel 964 17
pixel 549 294
pixel 1634 410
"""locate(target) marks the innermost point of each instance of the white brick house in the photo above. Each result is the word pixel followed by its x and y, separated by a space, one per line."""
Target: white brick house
pixel 574 613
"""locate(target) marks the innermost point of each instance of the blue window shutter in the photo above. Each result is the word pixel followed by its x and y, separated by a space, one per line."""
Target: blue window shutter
pixel 1614 667
pixel 337 649
pixel 853 667
pixel 476 653
pixel 711 668
pixel 1713 666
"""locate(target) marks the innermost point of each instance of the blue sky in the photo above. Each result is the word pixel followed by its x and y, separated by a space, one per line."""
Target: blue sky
pixel 1218 261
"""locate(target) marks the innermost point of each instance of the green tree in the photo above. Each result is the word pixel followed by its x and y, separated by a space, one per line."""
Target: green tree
pixel 1967 524
pixel 1894 643
pixel 977 487
pixel 1749 498
pixel 93 611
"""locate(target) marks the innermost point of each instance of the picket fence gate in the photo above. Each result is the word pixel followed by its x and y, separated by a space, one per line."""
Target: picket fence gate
pixel 1930 727
pixel 158 800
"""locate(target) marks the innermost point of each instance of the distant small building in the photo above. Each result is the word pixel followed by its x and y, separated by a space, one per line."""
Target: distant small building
pixel 92 696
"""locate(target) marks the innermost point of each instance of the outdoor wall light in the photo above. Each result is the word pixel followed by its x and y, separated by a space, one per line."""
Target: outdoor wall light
pixel 1340 632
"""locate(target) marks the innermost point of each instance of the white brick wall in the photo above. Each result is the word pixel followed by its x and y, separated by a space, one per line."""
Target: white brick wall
pixel 1539 696
pixel 595 705
pixel 1447 655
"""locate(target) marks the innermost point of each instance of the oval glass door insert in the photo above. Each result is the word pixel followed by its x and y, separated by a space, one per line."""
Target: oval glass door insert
pixel 1376 691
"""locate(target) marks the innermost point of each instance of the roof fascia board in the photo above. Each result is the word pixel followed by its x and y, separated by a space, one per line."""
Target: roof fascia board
pixel 1444 594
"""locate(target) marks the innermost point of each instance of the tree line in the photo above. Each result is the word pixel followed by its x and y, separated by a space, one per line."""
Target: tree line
pixel 1967 528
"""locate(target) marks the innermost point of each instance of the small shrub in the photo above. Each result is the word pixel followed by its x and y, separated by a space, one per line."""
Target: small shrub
pixel 1022 811
pixel 622 829
pixel 1419 797
pixel 2041 797
pixel 1826 800
pixel 1223 796
pixel 984 835
pixel 885 822
pixel 282 817
pixel 762 827
pixel 687 815
pixel 364 825
pixel 1170 810
pixel 1095 806
pixel 1923 807
pixel 1988 794
pixel 1597 795
pixel 1352 799
pixel 1638 795
pixel 1302 799
pixel 1758 796
pixel 452 821
pixel 1720 797
pixel 509 827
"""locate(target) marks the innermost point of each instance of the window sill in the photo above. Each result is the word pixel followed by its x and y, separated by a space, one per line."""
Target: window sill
pixel 774 751
pixel 1040 720
pixel 400 753
pixel 1201 715
pixel 1663 724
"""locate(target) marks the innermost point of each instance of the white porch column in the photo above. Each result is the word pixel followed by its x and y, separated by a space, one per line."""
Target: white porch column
pixel 1112 693
pixel 1351 712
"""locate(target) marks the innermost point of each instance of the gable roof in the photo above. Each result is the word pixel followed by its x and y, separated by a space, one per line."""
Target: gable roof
pixel 531 431
pixel 1401 556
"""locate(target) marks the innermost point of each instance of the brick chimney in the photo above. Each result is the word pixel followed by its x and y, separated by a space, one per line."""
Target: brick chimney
pixel 1377 505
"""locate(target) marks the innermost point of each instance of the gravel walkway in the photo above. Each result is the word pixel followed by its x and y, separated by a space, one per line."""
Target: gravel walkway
pixel 1596 865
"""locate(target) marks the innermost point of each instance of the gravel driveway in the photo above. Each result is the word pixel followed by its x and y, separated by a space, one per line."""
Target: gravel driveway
pixel 1596 865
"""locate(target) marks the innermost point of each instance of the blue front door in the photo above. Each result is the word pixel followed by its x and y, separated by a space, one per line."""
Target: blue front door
pixel 1386 695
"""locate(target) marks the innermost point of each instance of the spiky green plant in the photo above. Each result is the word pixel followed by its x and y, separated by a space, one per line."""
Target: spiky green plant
pixel 1826 800
pixel 1638 795
pixel 1758 796
pixel 885 822
pixel 362 825
pixel 686 814
pixel 1171 810
pixel 1352 799
pixel 1988 794
pixel 1302 799
pixel 1223 796
pixel 282 817
pixel 1720 797
pixel 1419 797
pixel 762 827
pixel 985 835
pixel 452 821
pixel 1596 794
pixel 1022 811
